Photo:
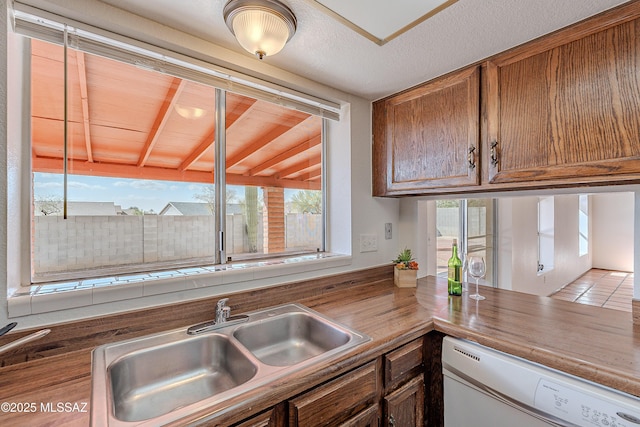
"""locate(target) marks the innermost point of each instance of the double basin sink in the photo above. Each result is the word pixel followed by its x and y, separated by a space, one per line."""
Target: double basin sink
pixel 161 378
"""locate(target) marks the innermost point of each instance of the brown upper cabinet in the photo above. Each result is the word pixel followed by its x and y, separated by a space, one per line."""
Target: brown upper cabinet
pixel 428 137
pixel 561 110
pixel 569 111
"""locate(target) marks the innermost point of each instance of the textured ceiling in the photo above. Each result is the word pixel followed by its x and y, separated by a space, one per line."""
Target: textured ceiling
pixel 328 52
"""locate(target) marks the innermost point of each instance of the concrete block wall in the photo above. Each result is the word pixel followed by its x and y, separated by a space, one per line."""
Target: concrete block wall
pixel 89 242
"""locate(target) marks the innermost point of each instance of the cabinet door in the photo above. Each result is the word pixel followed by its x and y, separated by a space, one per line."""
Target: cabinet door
pixel 569 112
pixel 405 406
pixel 338 400
pixel 367 418
pixel 428 137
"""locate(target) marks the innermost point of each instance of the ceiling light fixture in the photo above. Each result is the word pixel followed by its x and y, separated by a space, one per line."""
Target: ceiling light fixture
pixel 190 113
pixel 262 27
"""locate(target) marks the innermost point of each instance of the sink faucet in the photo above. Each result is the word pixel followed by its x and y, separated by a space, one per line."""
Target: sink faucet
pixel 24 340
pixel 222 311
pixel 223 318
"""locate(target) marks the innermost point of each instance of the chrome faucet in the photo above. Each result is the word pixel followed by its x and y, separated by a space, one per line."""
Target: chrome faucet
pixel 222 311
pixel 223 318
pixel 24 340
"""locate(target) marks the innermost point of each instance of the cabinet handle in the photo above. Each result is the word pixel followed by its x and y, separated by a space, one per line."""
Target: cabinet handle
pixel 392 421
pixel 494 153
pixel 471 157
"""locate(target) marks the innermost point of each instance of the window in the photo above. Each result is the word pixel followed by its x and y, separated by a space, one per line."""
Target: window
pixel 274 181
pixel 583 225
pixel 448 227
pixel 133 187
pixel 546 232
pixel 471 221
pixel 480 235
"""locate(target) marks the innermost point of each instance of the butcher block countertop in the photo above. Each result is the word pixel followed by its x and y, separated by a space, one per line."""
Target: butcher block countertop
pixel 598 344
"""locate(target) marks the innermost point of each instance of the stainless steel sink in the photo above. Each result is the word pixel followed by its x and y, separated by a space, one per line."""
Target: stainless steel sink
pixel 290 338
pixel 161 378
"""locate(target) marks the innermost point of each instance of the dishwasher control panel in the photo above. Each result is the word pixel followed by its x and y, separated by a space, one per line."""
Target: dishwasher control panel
pixel 582 409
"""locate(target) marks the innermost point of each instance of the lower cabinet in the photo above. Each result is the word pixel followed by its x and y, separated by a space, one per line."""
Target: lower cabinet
pixel 404 399
pixel 338 401
pixel 405 406
pixel 388 391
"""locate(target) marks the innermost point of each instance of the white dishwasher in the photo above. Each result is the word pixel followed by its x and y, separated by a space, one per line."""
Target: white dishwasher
pixel 487 388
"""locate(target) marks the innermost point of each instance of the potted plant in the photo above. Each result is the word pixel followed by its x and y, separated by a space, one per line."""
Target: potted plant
pixel 405 271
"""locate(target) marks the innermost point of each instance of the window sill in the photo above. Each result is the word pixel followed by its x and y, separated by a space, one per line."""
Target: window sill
pixel 50 297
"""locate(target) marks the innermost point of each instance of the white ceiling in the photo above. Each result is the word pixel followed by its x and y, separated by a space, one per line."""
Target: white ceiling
pixel 329 52
pixel 389 19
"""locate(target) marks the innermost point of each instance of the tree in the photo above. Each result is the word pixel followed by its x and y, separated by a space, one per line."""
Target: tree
pixel 135 210
pixel 208 195
pixel 307 201
pixel 448 203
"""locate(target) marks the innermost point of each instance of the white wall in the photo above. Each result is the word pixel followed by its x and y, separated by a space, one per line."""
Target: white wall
pixel 505 243
pixel 519 233
pixel 636 244
pixel 613 227
pixel 351 209
pixel 367 214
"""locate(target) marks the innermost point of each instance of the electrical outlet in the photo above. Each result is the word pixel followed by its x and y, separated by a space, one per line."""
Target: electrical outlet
pixel 387 231
pixel 368 242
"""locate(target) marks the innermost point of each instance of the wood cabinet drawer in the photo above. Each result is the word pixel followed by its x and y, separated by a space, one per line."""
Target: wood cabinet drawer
pixel 262 420
pixel 403 363
pixel 338 400
pixel 274 417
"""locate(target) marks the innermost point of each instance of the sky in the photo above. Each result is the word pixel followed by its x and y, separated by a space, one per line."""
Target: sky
pixel 142 193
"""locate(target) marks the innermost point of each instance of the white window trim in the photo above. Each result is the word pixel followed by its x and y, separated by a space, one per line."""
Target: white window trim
pixel 583 234
pixel 38 299
pixel 546 235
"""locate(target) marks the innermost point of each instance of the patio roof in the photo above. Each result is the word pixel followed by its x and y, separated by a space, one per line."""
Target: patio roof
pixel 131 122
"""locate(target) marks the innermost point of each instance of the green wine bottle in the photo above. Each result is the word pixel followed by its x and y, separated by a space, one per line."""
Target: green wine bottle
pixel 455 271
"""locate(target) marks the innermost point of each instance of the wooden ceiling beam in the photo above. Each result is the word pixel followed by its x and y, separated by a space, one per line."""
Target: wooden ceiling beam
pixel 118 170
pixel 241 111
pixel 195 155
pixel 113 170
pixel 232 118
pixel 298 167
pixel 84 99
pixel 298 149
pixel 258 143
pixel 170 99
pixel 259 181
pixel 311 175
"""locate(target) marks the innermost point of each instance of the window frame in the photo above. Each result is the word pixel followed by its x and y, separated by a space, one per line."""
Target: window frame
pixel 546 235
pixel 583 228
pixel 324 108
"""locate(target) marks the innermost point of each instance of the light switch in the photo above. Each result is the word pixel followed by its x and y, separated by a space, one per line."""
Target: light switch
pixel 387 231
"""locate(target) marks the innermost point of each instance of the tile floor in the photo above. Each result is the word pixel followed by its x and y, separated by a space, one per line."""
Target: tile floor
pixel 604 288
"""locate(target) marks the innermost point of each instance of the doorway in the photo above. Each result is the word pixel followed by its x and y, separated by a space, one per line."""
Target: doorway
pixel 473 223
